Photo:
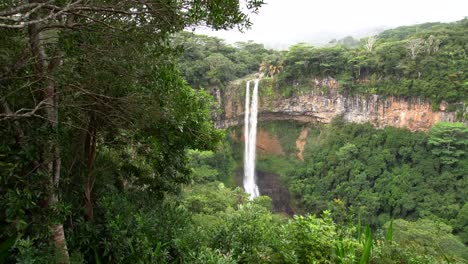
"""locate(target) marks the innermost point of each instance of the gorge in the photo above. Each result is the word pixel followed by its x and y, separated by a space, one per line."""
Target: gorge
pixel 304 112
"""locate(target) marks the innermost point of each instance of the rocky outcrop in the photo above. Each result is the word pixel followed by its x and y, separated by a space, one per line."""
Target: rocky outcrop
pixel 414 114
pixel 301 142
pixel 268 143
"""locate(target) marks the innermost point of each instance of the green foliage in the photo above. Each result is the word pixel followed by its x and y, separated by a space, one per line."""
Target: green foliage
pixel 449 141
pixel 431 238
pixel 227 228
pixel 209 166
pixel 310 239
pixel 115 167
pixel 348 41
pixel 461 223
pixel 21 213
pixel 367 246
pixel 130 228
pixel 357 170
pixel 211 198
pixel 200 171
pixel 96 120
pixel 415 61
pixel 208 62
pixel 275 164
pixel 243 234
pixel 249 234
pixel 392 67
pixel 286 131
pixel 389 235
pixel 5 248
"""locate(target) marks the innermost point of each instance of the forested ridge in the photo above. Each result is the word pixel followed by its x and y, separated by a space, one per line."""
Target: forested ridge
pixel 426 61
pixel 109 154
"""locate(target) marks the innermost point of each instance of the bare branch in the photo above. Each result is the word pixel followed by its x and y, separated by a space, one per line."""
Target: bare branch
pixel 370 42
pixel 414 47
pixel 108 10
pixel 18 9
pixel 97 21
pixel 27 23
pixel 21 113
pixel 22 20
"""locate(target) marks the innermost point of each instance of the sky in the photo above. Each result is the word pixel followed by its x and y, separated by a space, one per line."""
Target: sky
pixel 281 23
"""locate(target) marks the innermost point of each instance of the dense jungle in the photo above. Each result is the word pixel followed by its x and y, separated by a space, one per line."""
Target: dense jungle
pixel 123 139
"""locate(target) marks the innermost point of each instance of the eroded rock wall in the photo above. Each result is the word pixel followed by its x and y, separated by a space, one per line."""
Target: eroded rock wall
pixel 414 114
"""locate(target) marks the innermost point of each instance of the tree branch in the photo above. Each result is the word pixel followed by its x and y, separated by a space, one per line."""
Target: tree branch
pixel 22 20
pixel 18 9
pixel 10 115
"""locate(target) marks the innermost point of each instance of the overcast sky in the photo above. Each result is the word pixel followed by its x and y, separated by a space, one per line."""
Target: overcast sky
pixel 284 22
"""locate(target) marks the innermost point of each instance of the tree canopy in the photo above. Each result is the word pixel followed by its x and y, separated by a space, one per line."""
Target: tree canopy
pixel 92 100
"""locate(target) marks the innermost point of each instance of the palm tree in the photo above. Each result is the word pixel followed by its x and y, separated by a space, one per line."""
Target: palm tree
pixel 276 67
pixel 271 68
pixel 264 67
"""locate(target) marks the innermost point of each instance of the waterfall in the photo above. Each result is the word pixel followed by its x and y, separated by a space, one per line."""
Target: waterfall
pixel 250 134
pixel 246 137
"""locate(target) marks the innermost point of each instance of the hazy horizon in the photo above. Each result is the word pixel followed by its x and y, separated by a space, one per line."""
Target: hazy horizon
pixel 280 23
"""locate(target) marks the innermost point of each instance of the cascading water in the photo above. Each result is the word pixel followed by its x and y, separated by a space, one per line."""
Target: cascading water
pixel 246 136
pixel 250 134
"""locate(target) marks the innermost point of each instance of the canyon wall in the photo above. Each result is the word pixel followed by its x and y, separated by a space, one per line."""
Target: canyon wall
pixel 414 114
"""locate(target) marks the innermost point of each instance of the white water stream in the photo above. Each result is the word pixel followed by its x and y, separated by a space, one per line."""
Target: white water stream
pixel 250 134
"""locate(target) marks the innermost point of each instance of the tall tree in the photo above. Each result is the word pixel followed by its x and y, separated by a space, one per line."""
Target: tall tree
pixel 56 36
pixel 449 141
pixel 370 43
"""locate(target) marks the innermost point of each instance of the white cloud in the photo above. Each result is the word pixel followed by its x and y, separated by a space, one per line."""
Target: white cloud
pixel 284 22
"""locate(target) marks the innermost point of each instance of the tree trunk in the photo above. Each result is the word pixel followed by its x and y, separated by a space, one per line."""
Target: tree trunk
pixel 90 152
pixel 45 67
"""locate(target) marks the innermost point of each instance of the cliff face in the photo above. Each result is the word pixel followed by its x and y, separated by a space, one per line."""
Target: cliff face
pixel 414 114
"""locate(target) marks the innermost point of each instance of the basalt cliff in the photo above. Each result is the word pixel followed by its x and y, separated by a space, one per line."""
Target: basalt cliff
pixel 315 105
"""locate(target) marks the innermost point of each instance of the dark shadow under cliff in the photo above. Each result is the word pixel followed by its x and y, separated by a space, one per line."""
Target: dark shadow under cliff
pixel 270 185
